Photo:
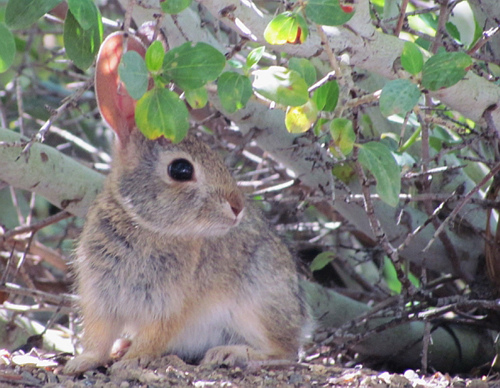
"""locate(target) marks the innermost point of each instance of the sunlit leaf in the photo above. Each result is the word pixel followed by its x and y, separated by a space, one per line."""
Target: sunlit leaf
pixel 305 68
pixel 254 56
pixel 197 98
pixel 299 119
pixel 412 59
pixel 321 261
pixel 154 56
pixel 191 66
pixel 281 85
pixel 287 27
pixel 343 135
pixel 161 112
pixel 7 48
pixel 327 96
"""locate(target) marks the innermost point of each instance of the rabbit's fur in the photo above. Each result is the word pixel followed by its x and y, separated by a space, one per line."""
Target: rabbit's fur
pixel 186 267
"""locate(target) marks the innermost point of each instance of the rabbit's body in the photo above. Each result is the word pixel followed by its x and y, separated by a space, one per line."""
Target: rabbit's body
pixel 186 266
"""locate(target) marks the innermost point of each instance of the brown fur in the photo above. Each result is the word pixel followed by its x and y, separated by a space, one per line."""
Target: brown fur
pixel 188 268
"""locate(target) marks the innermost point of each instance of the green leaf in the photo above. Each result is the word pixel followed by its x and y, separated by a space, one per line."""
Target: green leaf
pixel 327 96
pixel 328 12
pixel 398 97
pixel 84 11
pixel 197 98
pixel 82 45
pixel 161 112
pixel 22 13
pixel 7 48
pixel 282 85
pixel 134 74
pixel 254 56
pixel 322 260
pixel 287 27
pixel 453 31
pixel 191 66
pixel 154 56
pixel 443 70
pixel 412 59
pixel 174 6
pixel 234 91
pixel 343 135
pixel 305 68
pixel 299 119
pixel 378 159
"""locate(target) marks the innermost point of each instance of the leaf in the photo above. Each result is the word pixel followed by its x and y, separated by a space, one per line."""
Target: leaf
pixel 287 27
pixel 282 85
pixel 161 112
pixel 343 135
pixel 328 12
pixel 412 59
pixel 7 48
pixel 299 119
pixel 327 96
pixel 197 98
pixel 154 56
pixel 84 11
pixel 254 56
pixel 134 74
pixel 305 68
pixel 378 159
pixel 22 13
pixel 174 6
pixel 443 70
pixel 453 31
pixel 234 91
pixel 322 260
pixel 191 66
pixel 82 45
pixel 398 97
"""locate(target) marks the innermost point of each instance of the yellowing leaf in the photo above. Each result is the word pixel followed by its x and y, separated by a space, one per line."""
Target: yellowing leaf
pixel 299 119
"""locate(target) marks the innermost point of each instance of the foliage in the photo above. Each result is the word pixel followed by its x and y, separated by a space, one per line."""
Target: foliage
pixel 398 117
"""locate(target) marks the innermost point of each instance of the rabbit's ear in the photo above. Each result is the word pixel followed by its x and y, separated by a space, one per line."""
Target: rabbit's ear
pixel 115 104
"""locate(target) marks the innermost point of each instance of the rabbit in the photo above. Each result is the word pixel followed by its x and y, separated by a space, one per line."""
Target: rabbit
pixel 173 254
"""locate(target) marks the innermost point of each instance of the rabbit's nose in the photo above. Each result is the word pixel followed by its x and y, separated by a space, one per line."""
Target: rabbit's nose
pixel 236 201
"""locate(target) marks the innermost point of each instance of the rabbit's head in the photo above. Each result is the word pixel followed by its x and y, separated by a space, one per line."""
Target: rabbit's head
pixel 179 189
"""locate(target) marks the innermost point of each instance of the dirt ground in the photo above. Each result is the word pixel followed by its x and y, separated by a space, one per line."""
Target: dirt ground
pixel 170 371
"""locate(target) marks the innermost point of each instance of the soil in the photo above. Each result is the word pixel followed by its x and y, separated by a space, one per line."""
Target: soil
pixel 170 371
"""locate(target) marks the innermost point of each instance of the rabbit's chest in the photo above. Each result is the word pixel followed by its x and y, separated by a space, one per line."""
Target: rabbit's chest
pixel 140 287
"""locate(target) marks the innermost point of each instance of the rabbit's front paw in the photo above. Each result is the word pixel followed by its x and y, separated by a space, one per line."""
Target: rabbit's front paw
pixel 82 364
pixel 231 355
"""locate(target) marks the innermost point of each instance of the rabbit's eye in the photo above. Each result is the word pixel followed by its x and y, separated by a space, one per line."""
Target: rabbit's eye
pixel 181 170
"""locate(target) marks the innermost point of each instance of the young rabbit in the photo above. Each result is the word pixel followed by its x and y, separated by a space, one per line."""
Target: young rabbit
pixel 174 255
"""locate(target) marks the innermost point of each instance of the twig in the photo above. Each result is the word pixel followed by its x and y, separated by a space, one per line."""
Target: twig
pixel 459 207
pixel 35 227
pixel 402 17
pixel 487 35
pixel 443 18
pixel 60 299
pixel 377 230
pixel 331 57
pixel 40 136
